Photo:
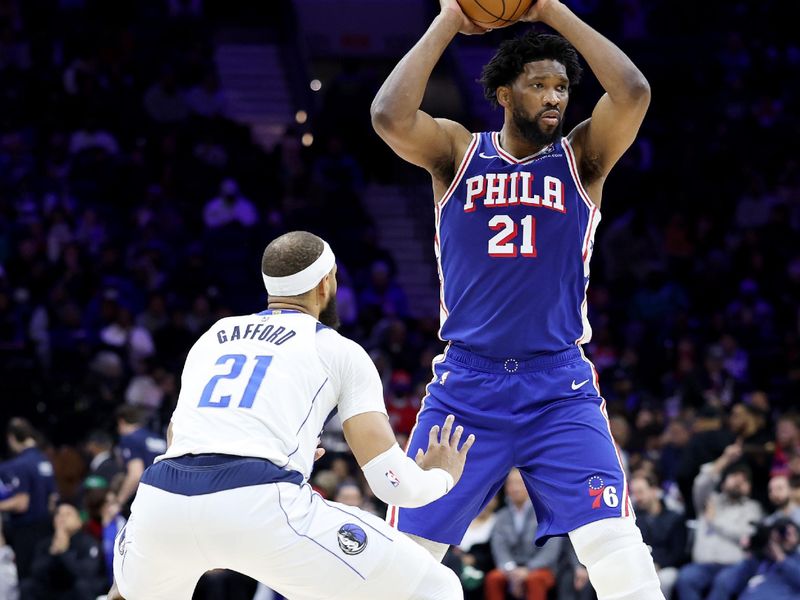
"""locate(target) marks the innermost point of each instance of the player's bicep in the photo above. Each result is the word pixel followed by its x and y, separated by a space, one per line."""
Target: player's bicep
pixel 421 140
pixel 605 137
pixel 368 435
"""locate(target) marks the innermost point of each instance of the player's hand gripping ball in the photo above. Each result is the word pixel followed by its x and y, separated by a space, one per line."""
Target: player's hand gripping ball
pixel 493 14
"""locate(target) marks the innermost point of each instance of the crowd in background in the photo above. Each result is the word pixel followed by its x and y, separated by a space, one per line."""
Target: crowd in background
pixel 133 213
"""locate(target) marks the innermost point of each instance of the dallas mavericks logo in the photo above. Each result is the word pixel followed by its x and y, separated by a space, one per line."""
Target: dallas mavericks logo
pixel 121 546
pixel 352 539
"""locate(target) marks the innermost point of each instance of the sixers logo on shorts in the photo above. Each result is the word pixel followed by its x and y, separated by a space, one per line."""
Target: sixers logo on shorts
pixel 352 539
pixel 596 487
pixel 607 494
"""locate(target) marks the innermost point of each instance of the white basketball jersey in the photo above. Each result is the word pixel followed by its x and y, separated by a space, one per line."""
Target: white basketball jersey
pixel 263 385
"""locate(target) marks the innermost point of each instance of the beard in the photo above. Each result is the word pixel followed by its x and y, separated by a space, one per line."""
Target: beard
pixel 735 494
pixel 329 316
pixel 531 128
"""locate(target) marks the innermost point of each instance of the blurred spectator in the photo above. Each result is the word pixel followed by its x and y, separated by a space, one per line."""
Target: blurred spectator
pixel 523 569
pixel 92 137
pixel 138 447
pixel 708 441
pixel 573 579
pixel 780 498
pixel 164 102
pixel 662 529
pixel 726 518
pixel 129 340
pixel 102 462
pixel 472 559
pixel 9 582
pixel 229 207
pixel 787 441
pixel 383 295
pixel 207 99
pixel 30 493
pixel 69 566
pixel 773 572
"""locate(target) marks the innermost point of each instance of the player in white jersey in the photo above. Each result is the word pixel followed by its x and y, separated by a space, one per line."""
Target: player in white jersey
pixel 231 490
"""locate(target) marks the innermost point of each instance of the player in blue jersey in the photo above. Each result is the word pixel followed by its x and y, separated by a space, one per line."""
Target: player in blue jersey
pixel 516 213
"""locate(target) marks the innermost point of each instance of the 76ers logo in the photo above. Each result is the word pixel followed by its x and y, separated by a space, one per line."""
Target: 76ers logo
pixel 600 491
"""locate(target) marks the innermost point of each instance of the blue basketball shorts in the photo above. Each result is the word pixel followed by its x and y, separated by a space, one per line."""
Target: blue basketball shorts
pixel 544 416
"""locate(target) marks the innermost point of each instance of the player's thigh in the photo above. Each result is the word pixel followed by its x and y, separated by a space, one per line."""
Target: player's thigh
pixel 155 557
pixel 571 466
pixel 325 550
pixel 488 462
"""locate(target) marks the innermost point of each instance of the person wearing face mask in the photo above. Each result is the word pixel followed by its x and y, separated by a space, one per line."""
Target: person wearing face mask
pixel 725 517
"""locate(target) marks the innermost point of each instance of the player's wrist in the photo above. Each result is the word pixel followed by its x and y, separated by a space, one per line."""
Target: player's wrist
pixel 448 478
pixel 553 13
pixel 450 19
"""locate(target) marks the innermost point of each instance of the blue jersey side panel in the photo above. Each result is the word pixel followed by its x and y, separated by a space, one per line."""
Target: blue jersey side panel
pixel 513 240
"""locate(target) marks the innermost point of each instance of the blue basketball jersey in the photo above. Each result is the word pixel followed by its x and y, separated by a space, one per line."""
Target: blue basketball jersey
pixel 513 241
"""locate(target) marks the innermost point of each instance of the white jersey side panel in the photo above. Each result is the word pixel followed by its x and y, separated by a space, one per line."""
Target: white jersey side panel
pixel 263 385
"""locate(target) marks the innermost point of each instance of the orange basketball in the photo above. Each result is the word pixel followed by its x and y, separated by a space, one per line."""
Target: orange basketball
pixel 493 14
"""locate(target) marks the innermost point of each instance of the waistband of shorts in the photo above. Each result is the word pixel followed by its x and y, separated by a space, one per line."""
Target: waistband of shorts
pixel 513 365
pixel 198 474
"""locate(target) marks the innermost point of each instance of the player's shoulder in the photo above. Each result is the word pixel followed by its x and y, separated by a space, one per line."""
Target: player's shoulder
pixel 330 340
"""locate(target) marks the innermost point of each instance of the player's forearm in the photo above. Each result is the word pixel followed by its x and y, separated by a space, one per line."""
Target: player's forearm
pixel 620 78
pixel 401 94
pixel 128 488
pixel 18 503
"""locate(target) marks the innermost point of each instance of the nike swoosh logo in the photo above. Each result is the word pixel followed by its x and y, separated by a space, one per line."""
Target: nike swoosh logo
pixel 482 155
pixel 577 386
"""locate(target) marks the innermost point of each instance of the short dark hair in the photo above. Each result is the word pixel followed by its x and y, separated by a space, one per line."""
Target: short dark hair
pixel 291 253
pixel 741 468
pixel 21 430
pixel 100 437
pixel 510 59
pixel 650 479
pixel 132 415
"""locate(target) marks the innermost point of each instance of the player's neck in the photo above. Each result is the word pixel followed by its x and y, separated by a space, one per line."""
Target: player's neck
pixel 515 144
pixel 298 306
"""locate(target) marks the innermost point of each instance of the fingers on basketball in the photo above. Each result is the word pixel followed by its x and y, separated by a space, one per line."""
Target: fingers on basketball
pixel 494 13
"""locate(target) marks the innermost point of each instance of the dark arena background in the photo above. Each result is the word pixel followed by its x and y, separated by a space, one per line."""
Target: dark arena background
pixel 150 149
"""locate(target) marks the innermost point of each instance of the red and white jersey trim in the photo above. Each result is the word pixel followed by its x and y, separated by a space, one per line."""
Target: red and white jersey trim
pixel 573 169
pixel 461 169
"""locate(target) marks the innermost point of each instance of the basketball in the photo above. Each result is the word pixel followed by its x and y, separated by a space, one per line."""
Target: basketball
pixel 493 14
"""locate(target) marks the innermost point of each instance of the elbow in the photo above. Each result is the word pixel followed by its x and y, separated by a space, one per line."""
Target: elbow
pixel 639 89
pixel 380 116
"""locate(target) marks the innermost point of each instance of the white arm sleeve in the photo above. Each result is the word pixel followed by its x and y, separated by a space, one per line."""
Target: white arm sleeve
pixel 397 479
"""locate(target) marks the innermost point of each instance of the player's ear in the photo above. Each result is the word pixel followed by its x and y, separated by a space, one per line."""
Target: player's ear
pixel 503 95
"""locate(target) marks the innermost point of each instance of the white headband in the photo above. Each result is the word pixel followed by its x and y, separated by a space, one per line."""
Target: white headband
pixel 302 281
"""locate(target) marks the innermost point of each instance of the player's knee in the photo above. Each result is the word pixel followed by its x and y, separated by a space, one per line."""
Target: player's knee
pixel 618 562
pixel 439 583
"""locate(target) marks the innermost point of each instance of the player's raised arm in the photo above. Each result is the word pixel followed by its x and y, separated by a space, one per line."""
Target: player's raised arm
pixel 393 476
pixel 601 140
pixel 434 144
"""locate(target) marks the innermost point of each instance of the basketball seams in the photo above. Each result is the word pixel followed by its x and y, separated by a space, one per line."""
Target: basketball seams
pixel 504 19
